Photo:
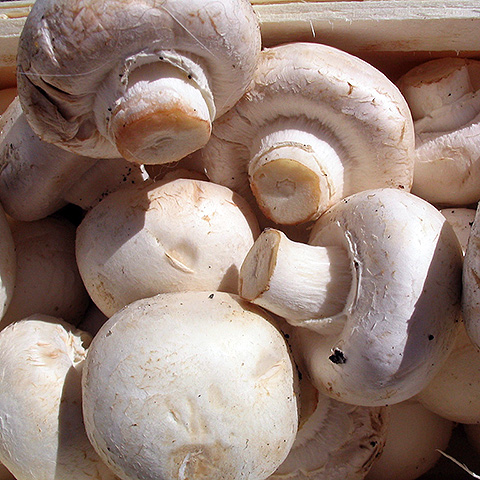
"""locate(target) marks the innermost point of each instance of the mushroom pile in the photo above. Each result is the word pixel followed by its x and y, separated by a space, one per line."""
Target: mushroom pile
pixel 221 261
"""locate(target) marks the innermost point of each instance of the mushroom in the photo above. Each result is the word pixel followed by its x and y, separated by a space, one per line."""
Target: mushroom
pixel 375 294
pixel 444 97
pixel 47 278
pixel 471 287
pixel 42 435
pixel 317 124
pixel 190 385
pixel 335 440
pixel 37 178
pixel 454 392
pixel 414 438
pixel 183 234
pixel 8 264
pixel 142 80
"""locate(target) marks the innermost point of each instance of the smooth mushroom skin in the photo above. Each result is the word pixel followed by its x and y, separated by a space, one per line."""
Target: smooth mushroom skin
pixel 42 435
pixel 335 440
pixel 183 234
pixel 142 80
pixel 47 276
pixel 444 96
pixel 38 178
pixel 414 438
pixel 471 287
pixel 190 385
pixel 317 124
pixel 8 264
pixel 381 336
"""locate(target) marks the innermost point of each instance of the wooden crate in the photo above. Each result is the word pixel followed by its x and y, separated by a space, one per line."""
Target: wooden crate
pixel 393 35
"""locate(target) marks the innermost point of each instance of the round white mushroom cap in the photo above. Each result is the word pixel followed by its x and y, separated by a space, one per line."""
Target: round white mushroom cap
pixel 42 435
pixel 444 97
pixel 183 234
pixel 142 80
pixel 317 124
pixel 190 385
pixel 376 293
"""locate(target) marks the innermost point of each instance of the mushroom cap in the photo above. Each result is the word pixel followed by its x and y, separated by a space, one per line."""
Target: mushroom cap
pixel 41 426
pixel 8 264
pixel 47 278
pixel 444 96
pixel 68 49
pixel 350 101
pixel 400 320
pixel 190 385
pixel 183 234
pixel 471 287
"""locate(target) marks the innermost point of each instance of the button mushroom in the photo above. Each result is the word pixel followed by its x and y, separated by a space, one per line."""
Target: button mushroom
pixel 376 293
pixel 444 96
pixel 42 435
pixel 38 178
pixel 142 80
pixel 183 234
pixel 317 124
pixel 190 385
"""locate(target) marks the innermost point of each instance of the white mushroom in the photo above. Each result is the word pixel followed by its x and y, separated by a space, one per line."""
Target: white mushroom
pixel 190 385
pixel 317 124
pixel 444 96
pixel 142 80
pixel 378 290
pixel 415 436
pixel 42 435
pixel 47 279
pixel 454 392
pixel 8 264
pixel 335 440
pixel 183 234
pixel 37 178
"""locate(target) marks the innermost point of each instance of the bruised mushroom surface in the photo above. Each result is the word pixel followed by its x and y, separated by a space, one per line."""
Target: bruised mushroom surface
pixel 190 385
pixel 142 80
pixel 375 294
pixel 317 124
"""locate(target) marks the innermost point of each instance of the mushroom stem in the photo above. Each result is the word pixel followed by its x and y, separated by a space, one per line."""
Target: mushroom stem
pixel 294 280
pixel 294 171
pixel 162 112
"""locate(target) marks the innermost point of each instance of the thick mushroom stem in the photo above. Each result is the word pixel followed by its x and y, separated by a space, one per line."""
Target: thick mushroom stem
pixel 294 173
pixel 162 113
pixel 295 280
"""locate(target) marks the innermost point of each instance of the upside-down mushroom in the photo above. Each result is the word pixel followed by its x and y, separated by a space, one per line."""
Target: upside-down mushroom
pixel 142 80
pixel 375 294
pixel 190 385
pixel 317 124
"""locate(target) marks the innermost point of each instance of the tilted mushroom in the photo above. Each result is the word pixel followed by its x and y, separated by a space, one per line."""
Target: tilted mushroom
pixel 335 440
pixel 38 178
pixel 454 392
pixel 42 435
pixel 8 264
pixel 183 234
pixel 47 276
pixel 471 286
pixel 415 436
pixel 444 97
pixel 190 385
pixel 376 293
pixel 142 80
pixel 317 124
